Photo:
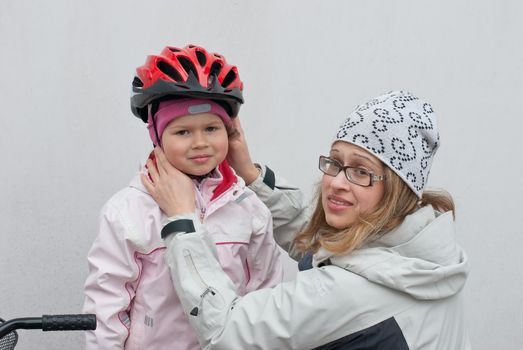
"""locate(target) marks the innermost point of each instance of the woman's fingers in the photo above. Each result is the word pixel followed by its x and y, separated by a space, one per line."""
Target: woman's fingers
pixel 153 171
pixel 238 156
pixel 160 167
pixel 172 190
pixel 236 133
pixel 163 164
pixel 147 183
pixel 235 122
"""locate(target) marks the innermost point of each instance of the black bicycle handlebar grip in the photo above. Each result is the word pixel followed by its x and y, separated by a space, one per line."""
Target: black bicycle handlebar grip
pixel 80 322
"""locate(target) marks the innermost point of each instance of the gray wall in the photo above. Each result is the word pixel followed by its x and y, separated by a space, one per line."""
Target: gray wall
pixel 68 139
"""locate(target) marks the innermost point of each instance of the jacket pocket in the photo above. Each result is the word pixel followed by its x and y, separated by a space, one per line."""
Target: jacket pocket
pixel 210 302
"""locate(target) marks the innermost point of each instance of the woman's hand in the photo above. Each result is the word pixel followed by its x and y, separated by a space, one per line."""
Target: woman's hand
pixel 238 156
pixel 170 188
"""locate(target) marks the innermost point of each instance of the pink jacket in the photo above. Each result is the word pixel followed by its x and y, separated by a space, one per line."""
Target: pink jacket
pixel 129 285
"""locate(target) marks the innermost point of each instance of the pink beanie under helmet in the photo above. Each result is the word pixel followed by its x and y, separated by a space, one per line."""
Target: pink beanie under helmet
pixel 171 109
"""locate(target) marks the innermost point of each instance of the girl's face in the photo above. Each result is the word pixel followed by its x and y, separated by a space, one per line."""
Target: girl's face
pixel 195 144
pixel 343 201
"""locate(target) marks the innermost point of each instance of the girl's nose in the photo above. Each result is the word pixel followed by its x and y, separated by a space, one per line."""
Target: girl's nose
pixel 199 140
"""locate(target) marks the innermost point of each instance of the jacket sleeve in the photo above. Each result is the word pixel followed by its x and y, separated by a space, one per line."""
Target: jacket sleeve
pixel 266 267
pixel 286 204
pixel 299 314
pixel 109 288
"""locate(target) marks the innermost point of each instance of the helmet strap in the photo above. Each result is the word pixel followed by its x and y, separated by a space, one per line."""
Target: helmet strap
pixel 153 116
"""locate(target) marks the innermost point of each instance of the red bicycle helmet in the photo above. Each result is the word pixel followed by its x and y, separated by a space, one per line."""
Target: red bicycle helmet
pixel 187 72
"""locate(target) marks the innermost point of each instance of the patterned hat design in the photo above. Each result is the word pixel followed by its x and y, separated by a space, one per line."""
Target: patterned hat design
pixel 398 128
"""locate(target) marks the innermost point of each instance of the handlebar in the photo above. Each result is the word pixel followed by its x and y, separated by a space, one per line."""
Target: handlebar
pixel 78 322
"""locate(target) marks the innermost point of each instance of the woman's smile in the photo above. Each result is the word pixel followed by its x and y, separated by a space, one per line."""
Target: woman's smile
pixel 336 203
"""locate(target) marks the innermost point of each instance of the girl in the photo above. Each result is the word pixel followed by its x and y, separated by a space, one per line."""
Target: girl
pixel 382 269
pixel 187 97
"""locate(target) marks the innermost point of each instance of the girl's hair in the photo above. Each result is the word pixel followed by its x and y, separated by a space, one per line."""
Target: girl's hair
pixel 398 201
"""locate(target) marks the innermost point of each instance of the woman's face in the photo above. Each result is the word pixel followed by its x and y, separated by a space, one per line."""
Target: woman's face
pixel 343 201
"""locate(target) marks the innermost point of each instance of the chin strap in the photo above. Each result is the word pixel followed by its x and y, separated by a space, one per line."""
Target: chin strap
pixel 153 107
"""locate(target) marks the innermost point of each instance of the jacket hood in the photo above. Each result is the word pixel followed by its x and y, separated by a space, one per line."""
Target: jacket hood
pixel 420 257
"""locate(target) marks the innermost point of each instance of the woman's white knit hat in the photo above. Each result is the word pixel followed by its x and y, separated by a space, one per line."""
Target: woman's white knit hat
pixel 398 128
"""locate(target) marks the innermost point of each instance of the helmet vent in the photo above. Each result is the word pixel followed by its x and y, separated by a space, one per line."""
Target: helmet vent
pixel 201 58
pixel 187 65
pixel 174 49
pixel 215 69
pixel 229 78
pixel 137 82
pixel 168 70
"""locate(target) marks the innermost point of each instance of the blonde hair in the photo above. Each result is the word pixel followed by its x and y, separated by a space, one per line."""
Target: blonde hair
pixel 398 201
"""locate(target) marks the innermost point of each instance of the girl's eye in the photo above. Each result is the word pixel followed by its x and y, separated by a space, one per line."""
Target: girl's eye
pixel 182 132
pixel 211 128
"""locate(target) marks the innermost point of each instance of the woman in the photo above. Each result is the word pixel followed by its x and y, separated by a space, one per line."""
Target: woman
pixel 385 270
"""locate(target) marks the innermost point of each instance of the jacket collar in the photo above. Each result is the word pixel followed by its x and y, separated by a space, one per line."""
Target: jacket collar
pixel 421 257
pixel 223 171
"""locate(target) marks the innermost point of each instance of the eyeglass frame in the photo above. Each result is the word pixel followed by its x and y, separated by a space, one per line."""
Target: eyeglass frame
pixel 372 177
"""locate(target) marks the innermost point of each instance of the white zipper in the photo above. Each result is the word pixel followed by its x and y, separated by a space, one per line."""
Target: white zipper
pixel 203 209
pixel 198 278
pixel 190 264
pixel 200 201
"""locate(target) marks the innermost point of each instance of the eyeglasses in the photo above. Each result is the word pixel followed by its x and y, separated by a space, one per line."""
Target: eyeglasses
pixel 357 176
